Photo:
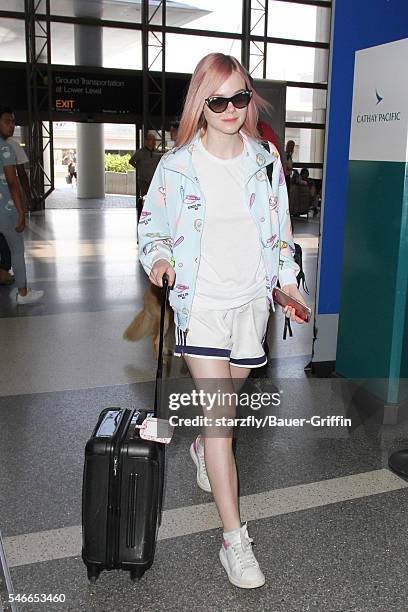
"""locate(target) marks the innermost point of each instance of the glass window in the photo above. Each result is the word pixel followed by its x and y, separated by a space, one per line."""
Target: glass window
pixel 200 14
pixel 15 5
pixel 120 138
pixel 293 63
pixel 298 21
pixel 305 104
pixel 126 55
pixel 12 40
pixel 309 144
pixel 206 15
pixel 184 52
pixel 127 12
pixel 62 44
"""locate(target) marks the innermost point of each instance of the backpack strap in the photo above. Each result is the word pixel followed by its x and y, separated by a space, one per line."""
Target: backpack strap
pixel 287 328
pixel 269 168
pixel 301 279
pixel 301 276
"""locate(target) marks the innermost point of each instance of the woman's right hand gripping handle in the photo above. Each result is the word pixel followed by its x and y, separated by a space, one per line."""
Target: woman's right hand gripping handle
pixel 160 267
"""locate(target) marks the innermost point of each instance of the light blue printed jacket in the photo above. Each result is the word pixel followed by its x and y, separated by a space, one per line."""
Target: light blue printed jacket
pixel 173 215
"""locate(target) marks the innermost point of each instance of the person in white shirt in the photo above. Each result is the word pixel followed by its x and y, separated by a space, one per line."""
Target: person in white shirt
pixel 21 161
pixel 12 217
pixel 9 123
pixel 221 232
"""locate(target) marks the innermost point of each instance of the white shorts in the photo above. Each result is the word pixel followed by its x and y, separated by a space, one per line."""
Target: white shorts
pixel 235 335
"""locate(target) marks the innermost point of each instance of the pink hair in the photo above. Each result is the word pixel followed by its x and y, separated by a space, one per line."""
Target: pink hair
pixel 210 72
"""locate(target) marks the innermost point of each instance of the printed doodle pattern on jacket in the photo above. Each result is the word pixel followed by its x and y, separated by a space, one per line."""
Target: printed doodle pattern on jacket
pixel 175 214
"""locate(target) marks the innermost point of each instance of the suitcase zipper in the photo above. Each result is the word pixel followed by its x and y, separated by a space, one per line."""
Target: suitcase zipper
pixel 115 508
pixel 114 493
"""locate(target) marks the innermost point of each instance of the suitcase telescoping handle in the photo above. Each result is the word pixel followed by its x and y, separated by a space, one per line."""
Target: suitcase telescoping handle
pixel 158 406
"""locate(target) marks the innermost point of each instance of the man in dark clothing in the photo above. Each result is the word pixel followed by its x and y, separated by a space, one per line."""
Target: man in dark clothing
pixel 145 161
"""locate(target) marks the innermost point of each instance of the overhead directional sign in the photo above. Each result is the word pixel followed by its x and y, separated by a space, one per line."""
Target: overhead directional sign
pixel 76 92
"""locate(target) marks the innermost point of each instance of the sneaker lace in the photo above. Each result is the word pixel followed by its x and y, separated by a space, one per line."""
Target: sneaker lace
pixel 201 459
pixel 243 550
pixel 200 455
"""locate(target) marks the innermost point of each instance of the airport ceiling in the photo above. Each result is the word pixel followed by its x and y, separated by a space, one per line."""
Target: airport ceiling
pixel 178 14
pixel 117 42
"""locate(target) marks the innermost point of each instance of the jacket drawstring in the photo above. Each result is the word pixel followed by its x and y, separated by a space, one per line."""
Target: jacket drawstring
pixel 181 339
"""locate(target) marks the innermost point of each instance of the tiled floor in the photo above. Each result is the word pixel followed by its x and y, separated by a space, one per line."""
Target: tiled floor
pixel 65 197
pixel 327 517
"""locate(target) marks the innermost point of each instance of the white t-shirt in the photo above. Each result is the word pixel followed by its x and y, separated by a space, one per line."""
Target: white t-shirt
pixel 231 271
pixel 21 157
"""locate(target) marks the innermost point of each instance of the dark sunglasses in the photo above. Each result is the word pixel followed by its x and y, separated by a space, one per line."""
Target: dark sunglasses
pixel 218 104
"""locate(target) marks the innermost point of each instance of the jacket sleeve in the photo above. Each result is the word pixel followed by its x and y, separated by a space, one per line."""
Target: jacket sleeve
pixel 154 236
pixel 288 268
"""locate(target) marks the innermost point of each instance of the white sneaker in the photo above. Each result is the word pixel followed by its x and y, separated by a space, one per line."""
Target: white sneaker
pixel 239 561
pixel 31 296
pixel 197 455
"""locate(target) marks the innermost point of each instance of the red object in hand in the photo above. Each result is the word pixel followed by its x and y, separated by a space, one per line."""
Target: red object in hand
pixel 283 299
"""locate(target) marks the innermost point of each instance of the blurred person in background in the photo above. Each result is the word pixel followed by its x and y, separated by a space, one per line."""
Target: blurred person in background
pixel 8 127
pixel 173 132
pixel 12 216
pixel 145 161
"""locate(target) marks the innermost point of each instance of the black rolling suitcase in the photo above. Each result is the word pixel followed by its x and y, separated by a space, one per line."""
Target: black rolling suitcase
pixel 123 487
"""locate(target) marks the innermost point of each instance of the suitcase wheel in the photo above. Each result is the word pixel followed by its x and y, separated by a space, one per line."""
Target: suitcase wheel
pixel 136 574
pixel 93 573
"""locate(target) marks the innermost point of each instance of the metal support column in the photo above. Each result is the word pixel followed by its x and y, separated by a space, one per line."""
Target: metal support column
pixel 39 97
pixel 154 86
pixel 246 31
pixel 258 49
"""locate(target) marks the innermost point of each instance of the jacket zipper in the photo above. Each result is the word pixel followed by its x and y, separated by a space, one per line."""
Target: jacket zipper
pixel 199 261
pixel 185 332
pixel 259 230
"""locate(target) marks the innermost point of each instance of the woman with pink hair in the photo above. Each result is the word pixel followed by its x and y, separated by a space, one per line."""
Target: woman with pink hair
pixel 221 231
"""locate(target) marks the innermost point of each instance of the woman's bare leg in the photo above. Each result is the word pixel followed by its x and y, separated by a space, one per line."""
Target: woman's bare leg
pixel 210 375
pixel 239 376
pixel 236 554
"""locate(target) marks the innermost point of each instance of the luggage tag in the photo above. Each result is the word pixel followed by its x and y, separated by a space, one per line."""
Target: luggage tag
pixel 156 430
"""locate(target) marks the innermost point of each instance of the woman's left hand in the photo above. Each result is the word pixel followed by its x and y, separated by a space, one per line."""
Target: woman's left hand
pixel 20 223
pixel 289 312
